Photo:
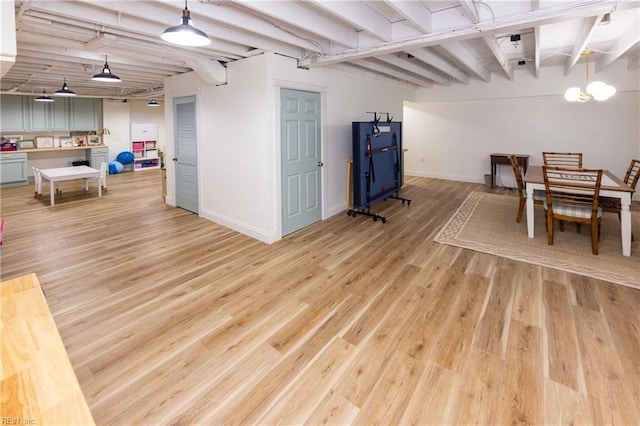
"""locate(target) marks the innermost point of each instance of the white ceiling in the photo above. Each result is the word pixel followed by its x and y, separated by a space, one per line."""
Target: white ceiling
pixel 422 42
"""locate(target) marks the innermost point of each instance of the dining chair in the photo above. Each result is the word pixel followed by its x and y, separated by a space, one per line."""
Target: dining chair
pixel 538 196
pixel 612 205
pixel 562 159
pixel 37 180
pixel 572 196
pixel 103 176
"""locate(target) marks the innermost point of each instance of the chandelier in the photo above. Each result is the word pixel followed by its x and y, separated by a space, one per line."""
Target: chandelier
pixel 596 90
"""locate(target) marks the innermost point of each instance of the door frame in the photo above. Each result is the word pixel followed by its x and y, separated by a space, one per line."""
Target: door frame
pixel 322 91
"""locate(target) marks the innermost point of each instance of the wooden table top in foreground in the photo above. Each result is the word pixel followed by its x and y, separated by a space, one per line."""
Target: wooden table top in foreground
pixel 37 383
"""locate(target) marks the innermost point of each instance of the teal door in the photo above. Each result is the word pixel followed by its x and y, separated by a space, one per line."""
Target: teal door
pixel 186 164
pixel 301 159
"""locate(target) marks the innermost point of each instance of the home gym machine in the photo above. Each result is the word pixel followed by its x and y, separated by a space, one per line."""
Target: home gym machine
pixel 377 164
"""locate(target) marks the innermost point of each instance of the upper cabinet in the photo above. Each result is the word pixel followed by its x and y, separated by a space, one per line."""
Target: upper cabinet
pixel 85 114
pixel 13 113
pixel 49 116
pixel 24 114
pixel 60 114
pixel 144 131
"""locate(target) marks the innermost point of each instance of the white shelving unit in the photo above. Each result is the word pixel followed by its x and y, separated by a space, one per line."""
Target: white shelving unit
pixel 144 145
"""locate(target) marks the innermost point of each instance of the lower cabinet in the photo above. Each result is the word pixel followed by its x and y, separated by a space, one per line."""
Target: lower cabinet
pixel 97 156
pixel 13 168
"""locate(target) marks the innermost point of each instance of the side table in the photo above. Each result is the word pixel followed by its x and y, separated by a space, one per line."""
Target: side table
pixel 497 158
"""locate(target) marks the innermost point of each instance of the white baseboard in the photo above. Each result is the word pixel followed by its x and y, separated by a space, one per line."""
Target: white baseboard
pixel 268 237
pixel 444 176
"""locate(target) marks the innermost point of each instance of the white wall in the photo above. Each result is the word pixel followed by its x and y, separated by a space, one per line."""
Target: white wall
pixel 8 46
pixel 239 136
pixel 117 116
pixel 450 132
pixel 345 98
pixel 236 152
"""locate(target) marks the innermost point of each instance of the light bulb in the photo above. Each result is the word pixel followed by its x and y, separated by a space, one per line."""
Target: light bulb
pixel 596 88
pixel 572 94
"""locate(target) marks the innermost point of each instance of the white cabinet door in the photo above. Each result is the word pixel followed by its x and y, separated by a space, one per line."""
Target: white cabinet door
pixel 144 131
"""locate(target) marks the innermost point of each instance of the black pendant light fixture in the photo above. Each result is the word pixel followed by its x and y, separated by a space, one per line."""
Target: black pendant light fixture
pixel 44 97
pixel 153 103
pixel 64 91
pixel 185 34
pixel 106 75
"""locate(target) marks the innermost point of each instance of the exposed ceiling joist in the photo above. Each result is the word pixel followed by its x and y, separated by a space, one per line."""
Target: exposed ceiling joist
pixel 412 66
pixel 500 56
pixel 586 32
pixel 533 18
pixel 629 38
pixel 359 16
pixel 414 12
pixel 432 59
pixel 394 72
pixel 422 43
pixel 466 58
pixel 296 13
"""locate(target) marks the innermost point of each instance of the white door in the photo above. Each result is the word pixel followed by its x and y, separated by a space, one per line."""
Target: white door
pixel 301 159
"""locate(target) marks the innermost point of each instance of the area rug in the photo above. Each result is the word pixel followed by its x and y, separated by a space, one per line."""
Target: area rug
pixel 486 222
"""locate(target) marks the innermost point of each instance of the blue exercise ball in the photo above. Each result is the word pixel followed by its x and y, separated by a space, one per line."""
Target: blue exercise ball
pixel 125 157
pixel 115 167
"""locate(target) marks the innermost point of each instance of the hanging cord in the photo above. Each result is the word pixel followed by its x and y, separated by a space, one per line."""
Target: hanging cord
pixel 587 54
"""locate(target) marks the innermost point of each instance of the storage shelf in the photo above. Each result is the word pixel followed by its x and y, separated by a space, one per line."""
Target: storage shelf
pixel 146 164
pixel 144 146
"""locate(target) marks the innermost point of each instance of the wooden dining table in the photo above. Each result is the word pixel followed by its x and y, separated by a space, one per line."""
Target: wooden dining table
pixel 610 186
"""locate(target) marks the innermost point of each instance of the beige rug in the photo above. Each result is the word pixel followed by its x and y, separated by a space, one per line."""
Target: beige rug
pixel 487 223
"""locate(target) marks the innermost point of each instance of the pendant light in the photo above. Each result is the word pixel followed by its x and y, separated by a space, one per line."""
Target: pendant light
pixel 185 34
pixel 595 90
pixel 44 97
pixel 153 103
pixel 64 91
pixel 106 75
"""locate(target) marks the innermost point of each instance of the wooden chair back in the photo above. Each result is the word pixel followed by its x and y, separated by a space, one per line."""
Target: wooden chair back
pixel 562 159
pixel 537 196
pixel 633 174
pixel 572 196
pixel 517 173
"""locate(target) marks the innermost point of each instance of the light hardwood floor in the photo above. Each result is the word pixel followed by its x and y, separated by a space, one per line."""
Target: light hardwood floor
pixel 171 319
